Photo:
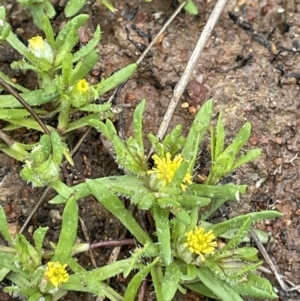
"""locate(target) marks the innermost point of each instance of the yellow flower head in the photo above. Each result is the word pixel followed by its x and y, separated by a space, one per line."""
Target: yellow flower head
pixel 166 168
pixel 200 242
pixel 40 48
pixel 56 273
pixel 82 86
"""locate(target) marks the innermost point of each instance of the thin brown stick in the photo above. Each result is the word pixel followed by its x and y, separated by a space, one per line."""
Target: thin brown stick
pixel 87 238
pixel 180 87
pixel 16 95
pixel 8 141
pixel 268 260
pixel 113 243
pixel 36 207
pixel 152 43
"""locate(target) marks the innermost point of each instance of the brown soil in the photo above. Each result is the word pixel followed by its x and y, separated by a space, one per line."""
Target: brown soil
pixel 242 72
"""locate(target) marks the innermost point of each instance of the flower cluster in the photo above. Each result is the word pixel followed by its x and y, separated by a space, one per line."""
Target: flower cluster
pixel 56 273
pixel 166 167
pixel 200 242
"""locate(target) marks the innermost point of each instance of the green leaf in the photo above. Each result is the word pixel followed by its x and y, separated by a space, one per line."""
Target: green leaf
pixel 33 98
pixel 48 30
pixel 69 43
pixel 73 7
pixel 68 232
pixel 228 191
pixel 117 78
pixel 218 287
pixel 66 68
pixel 238 221
pixel 4 227
pixel 89 47
pixel 224 163
pixel 238 238
pixel 173 142
pixel 198 129
pixel 248 157
pixel 84 67
pixel 57 147
pixel 135 282
pixel 138 124
pixel 170 281
pixel 255 287
pixel 191 8
pixel 38 237
pixel 157 283
pixel 201 289
pixel 220 137
pixel 73 24
pixel 117 208
pixel 8 80
pixel 263 236
pixel 162 226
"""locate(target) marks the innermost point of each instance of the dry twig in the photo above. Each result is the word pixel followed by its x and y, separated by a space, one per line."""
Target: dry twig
pixel 180 87
pixel 268 260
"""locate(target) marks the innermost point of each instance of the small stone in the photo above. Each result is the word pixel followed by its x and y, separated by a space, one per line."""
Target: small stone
pixel 192 110
pixel 278 161
pixel 185 105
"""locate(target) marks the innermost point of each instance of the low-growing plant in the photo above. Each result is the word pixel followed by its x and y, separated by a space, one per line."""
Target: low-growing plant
pixel 182 251
pixel 61 73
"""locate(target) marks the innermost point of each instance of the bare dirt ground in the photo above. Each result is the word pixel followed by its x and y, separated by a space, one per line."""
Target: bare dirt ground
pixel 250 67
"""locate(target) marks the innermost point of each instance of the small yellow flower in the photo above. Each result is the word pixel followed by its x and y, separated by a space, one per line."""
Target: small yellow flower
pixel 200 242
pixel 166 168
pixel 82 86
pixel 40 48
pixel 36 42
pixel 56 273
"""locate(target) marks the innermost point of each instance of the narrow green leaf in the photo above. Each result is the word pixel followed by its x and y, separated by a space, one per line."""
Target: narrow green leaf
pixel 238 221
pixel 84 67
pixel 3 226
pixel 68 232
pixel 73 7
pixel 66 67
pixel 89 47
pixel 117 208
pixel 38 237
pixel 197 131
pixel 249 156
pixel 48 30
pixel 135 282
pixel 218 287
pixel 75 23
pixel 70 41
pixel 33 98
pixel 220 136
pixel 201 289
pixel 162 226
pixel 170 281
pixel 138 123
pixel 157 284
pixel 255 287
pixel 116 79
pixel 238 238
pixel 228 191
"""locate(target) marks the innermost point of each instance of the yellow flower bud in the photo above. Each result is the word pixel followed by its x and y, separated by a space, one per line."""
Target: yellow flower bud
pixel 40 49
